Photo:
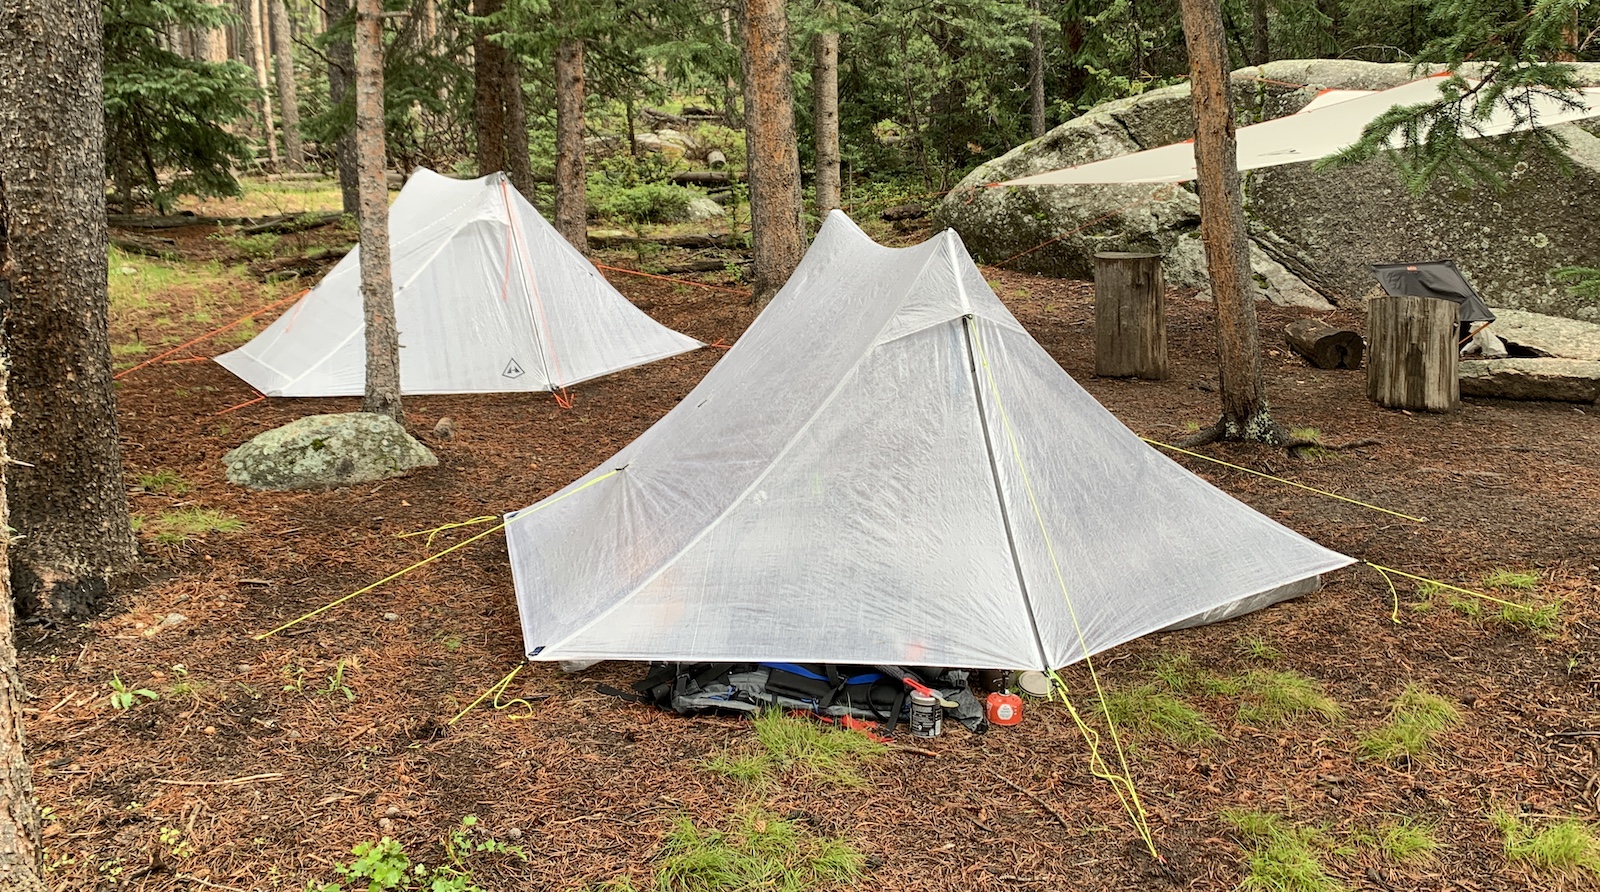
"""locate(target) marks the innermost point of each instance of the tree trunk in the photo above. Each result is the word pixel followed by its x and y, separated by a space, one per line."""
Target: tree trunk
pixel 19 812
pixel 775 235
pixel 341 79
pixel 825 114
pixel 377 284
pixel 1036 71
pixel 214 41
pixel 571 202
pixel 69 505
pixel 1324 346
pixel 488 105
pixel 288 105
pixel 1415 361
pixel 1245 413
pixel 258 61
pixel 1258 19
pixel 519 167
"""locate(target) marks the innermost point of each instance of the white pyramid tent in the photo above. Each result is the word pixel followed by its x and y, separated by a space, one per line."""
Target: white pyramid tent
pixel 887 469
pixel 488 298
pixel 1332 122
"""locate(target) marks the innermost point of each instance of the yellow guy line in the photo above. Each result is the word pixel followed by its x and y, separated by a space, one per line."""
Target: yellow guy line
pixel 1097 766
pixel 431 558
pixel 1385 571
pixel 497 689
pixel 449 526
pixel 1320 492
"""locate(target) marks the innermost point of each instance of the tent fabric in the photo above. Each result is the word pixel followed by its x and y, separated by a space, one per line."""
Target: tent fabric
pixel 887 469
pixel 1330 125
pixel 488 298
pixel 1440 279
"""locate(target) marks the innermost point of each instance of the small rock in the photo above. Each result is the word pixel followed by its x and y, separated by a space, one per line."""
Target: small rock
pixel 445 429
pixel 514 833
pixel 323 451
pixel 385 823
pixel 210 729
pixel 390 617
pixel 127 270
pixel 393 811
pixel 180 599
pixel 173 619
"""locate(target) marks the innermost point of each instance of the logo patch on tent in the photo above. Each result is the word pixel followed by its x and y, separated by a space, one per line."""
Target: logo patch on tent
pixel 512 370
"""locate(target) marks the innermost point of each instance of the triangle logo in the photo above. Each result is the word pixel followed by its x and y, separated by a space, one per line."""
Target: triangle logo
pixel 512 370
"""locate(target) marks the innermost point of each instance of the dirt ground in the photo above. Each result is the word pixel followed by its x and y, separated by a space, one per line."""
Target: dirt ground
pixel 262 763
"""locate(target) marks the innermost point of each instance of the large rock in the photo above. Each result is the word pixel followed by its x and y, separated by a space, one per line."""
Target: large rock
pixel 1547 336
pixel 323 451
pixel 1564 380
pixel 1312 232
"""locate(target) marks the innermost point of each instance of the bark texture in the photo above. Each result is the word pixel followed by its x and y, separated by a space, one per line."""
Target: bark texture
pixel 258 61
pixel 1245 413
pixel 571 204
pixel 1259 27
pixel 519 166
pixel 68 503
pixel 341 79
pixel 775 236
pixel 20 850
pixel 377 283
pixel 825 116
pixel 488 104
pixel 1036 73
pixel 288 104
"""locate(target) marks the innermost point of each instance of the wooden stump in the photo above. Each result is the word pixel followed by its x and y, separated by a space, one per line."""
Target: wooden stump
pixel 1323 345
pixel 1415 361
pixel 1130 318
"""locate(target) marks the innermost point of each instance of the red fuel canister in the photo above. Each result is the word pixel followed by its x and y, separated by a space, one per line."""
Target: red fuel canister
pixel 1004 709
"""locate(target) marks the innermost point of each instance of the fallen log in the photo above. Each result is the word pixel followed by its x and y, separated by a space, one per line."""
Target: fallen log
pixel 1323 345
pixel 701 178
pixel 175 221
pixel 652 116
pixel 687 240
pixel 706 265
pixel 905 212
pixel 150 246
pixel 290 223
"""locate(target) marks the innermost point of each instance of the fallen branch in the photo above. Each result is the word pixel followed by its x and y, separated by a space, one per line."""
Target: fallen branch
pixel 147 247
pixel 1054 812
pixel 290 223
pixel 271 775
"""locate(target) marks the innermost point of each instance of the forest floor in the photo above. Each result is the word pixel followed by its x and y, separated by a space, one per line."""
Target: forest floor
pixel 174 751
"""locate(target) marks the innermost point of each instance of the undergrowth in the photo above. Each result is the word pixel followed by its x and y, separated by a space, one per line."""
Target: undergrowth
pixel 1567 848
pixel 1416 721
pixel 1280 856
pixel 759 851
pixel 1277 698
pixel 1144 709
pixel 385 866
pixel 801 746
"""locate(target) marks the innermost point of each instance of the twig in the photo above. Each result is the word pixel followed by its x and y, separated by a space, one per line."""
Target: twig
pixel 1054 812
pixel 913 749
pixel 271 775
pixel 189 878
pixel 1572 734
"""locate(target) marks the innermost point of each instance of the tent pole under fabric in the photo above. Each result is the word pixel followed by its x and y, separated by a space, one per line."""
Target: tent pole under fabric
pixel 1317 132
pixel 886 469
pixel 489 298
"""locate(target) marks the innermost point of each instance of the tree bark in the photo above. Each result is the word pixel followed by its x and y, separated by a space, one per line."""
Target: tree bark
pixel 69 505
pixel 20 850
pixel 571 202
pixel 825 114
pixel 775 234
pixel 377 284
pixel 258 61
pixel 341 79
pixel 1415 361
pixel 288 104
pixel 1130 316
pixel 1258 19
pixel 1036 71
pixel 488 105
pixel 519 166
pixel 1245 413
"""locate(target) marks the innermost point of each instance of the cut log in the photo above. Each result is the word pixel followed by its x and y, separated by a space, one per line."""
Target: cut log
pixel 687 240
pixel 702 178
pixel 1323 345
pixel 905 212
pixel 1130 319
pixel 1414 361
pixel 716 160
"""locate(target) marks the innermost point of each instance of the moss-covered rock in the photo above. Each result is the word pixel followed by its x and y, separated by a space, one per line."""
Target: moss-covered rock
pixel 324 451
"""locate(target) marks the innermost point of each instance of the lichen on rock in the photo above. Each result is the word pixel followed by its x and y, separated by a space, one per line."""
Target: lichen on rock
pixel 325 451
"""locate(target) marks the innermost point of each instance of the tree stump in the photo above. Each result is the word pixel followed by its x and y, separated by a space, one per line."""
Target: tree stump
pixel 1414 362
pixel 1323 345
pixel 1130 318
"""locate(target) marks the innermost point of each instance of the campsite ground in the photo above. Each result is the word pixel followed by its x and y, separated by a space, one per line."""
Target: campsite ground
pixel 245 764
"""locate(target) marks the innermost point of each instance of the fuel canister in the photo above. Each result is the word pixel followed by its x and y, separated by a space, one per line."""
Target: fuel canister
pixel 1003 709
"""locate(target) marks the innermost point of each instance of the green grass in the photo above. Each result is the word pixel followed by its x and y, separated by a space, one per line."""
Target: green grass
pixel 178 527
pixel 1511 580
pixel 163 481
pixel 1416 721
pixel 1407 840
pixel 1148 711
pixel 1281 857
pixel 1256 647
pixel 759 851
pixel 803 747
pixel 1278 698
pixel 1566 849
